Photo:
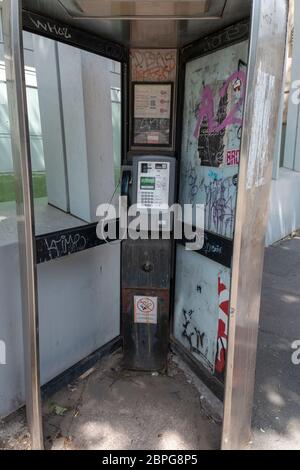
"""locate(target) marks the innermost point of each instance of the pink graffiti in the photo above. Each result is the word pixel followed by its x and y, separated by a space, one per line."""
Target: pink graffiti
pixel 206 108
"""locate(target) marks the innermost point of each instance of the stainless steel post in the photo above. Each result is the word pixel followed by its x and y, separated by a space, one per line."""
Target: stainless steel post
pixel 16 91
pixel 265 76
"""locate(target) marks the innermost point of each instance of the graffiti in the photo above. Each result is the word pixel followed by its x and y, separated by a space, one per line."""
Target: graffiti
pixel 213 175
pixel 211 144
pixel 216 248
pixel 66 244
pixel 38 24
pixel 153 65
pixel 200 339
pixel 50 27
pixel 194 183
pixel 218 195
pixel 212 249
pixel 151 125
pixel 233 157
pixel 151 130
pixel 223 293
pixel 239 133
pixel 209 131
pixel 206 108
pixel 188 332
pixel 220 206
pixel 237 32
pixel 191 333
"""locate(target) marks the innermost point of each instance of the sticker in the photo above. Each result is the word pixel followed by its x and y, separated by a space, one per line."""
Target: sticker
pixel 223 293
pixel 153 138
pixel 145 310
pixel 233 157
pixel 259 151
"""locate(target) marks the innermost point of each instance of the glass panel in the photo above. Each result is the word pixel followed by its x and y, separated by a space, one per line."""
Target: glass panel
pixel 213 109
pixel 74 111
pixel 11 342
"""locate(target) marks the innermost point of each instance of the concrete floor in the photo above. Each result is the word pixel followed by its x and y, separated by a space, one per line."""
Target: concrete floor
pixel 276 412
pixel 113 409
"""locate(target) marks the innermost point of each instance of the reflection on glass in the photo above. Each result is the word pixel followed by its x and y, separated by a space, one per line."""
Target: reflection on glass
pixel 8 225
pixel 74 113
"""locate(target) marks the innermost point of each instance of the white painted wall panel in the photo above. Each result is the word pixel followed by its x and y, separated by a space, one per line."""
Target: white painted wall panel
pixel 197 304
pixel 291 152
pixel 11 374
pixel 79 305
pixel 79 311
pixel 284 212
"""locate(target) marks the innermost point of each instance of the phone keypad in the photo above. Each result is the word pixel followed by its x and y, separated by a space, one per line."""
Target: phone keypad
pixel 147 199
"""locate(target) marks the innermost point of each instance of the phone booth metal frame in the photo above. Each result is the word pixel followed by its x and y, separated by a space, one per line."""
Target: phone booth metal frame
pixel 268 35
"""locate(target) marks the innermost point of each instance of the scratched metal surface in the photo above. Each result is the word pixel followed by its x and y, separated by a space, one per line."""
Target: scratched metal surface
pixel 147 33
pixel 197 305
pixel 213 109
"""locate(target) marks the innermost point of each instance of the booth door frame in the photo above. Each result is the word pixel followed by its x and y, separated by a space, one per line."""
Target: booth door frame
pixel 266 56
pixel 265 76
pixel 15 20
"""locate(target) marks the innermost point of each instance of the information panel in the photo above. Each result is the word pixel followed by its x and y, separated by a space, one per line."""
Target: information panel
pixel 152 110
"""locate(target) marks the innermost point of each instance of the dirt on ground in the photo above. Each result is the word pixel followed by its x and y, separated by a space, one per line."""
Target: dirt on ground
pixel 109 408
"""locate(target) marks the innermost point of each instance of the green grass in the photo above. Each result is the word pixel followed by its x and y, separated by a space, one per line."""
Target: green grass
pixel 7 186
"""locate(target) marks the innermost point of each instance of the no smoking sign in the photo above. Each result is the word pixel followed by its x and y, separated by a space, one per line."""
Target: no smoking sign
pixel 145 309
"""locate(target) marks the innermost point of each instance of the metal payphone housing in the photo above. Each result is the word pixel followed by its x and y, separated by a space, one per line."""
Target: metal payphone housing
pixel 146 267
pixel 159 193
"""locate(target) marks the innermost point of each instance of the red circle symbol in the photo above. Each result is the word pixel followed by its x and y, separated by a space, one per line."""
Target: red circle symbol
pixel 145 305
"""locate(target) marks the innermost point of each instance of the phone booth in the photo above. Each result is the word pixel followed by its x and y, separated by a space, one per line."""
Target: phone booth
pixel 198 107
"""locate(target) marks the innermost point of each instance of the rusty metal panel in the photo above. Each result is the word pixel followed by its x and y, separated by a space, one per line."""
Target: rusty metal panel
pixel 146 263
pixel 146 271
pixel 145 344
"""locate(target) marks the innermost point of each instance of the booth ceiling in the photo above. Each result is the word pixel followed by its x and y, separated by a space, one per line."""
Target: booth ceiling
pixel 145 23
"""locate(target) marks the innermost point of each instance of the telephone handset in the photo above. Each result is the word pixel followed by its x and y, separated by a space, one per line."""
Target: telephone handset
pixel 126 184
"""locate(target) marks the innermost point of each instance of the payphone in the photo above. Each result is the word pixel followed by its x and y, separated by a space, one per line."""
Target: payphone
pixel 146 264
pixel 146 267
pixel 153 182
